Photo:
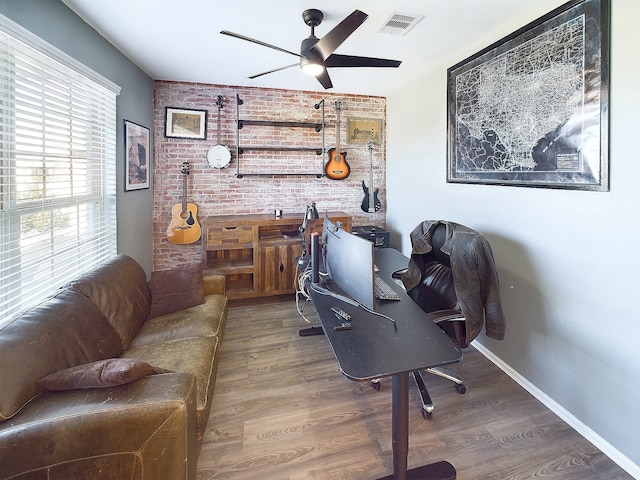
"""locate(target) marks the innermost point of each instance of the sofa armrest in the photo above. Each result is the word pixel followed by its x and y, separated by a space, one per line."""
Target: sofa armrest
pixel 213 283
pixel 142 430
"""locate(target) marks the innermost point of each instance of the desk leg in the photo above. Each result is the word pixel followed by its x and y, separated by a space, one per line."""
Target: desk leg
pixel 400 439
pixel 400 424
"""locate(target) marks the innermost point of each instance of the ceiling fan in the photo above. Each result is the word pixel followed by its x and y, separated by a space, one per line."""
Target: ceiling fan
pixel 316 55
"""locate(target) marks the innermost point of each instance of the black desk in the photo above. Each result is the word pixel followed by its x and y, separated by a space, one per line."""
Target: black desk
pixel 374 348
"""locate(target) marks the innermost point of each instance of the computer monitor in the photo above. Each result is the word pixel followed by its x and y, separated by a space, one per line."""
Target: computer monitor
pixel 348 260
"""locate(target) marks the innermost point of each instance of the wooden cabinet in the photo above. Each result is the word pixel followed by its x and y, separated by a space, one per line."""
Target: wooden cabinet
pixel 276 267
pixel 257 253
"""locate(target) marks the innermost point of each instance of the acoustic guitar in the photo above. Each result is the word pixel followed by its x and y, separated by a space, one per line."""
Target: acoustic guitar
pixel 184 227
pixel 337 167
pixel 370 202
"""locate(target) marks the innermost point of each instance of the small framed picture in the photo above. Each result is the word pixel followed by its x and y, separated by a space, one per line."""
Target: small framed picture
pixel 185 123
pixel 136 154
pixel 363 130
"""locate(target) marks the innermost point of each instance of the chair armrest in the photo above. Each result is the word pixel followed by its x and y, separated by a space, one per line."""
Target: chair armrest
pixel 453 322
pixel 448 315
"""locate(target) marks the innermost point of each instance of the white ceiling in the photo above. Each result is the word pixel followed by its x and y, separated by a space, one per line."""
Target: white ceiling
pixel 180 40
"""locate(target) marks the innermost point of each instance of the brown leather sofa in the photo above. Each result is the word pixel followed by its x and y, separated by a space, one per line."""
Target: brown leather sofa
pixel 105 381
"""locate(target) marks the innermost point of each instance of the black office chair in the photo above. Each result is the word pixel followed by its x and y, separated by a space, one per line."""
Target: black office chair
pixel 452 277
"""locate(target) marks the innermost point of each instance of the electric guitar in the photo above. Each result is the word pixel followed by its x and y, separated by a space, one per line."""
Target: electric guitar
pixel 370 202
pixel 184 227
pixel 337 167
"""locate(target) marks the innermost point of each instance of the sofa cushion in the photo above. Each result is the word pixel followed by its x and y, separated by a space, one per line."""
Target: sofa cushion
pixel 200 321
pixel 101 374
pixel 62 332
pixel 119 289
pixel 195 355
pixel 176 289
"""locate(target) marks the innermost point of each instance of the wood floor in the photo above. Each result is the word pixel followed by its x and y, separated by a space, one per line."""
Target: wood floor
pixel 283 411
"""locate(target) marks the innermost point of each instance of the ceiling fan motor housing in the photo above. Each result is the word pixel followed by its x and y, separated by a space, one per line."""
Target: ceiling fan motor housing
pixel 306 49
pixel 310 62
pixel 312 17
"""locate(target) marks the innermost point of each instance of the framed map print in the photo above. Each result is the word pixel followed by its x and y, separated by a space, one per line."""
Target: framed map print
pixel 532 109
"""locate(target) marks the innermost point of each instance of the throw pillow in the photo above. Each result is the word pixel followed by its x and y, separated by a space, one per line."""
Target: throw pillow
pixel 176 289
pixel 101 374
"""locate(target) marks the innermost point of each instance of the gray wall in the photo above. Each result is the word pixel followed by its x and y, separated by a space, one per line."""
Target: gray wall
pixel 568 260
pixel 55 23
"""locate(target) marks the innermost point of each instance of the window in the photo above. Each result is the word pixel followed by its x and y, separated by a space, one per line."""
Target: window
pixel 57 170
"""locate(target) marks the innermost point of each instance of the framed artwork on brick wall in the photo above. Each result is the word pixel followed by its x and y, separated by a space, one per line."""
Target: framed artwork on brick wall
pixel 364 130
pixel 532 109
pixel 136 154
pixel 185 123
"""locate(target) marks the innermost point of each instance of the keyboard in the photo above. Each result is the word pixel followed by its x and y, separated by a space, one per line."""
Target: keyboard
pixel 383 290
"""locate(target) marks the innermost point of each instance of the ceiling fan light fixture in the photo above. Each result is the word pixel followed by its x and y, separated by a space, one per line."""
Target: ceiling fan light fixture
pixel 311 66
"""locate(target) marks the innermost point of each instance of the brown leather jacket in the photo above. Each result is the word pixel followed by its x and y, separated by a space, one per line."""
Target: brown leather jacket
pixel 474 275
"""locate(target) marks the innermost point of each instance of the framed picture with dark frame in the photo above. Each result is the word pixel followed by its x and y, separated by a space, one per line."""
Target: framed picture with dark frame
pixel 136 155
pixel 532 109
pixel 185 123
pixel 363 130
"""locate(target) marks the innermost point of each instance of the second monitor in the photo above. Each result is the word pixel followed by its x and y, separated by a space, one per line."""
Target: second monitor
pixel 348 260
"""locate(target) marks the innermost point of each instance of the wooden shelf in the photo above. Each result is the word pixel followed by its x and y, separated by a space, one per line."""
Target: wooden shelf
pixel 232 266
pixel 267 242
pixel 231 246
pixel 241 287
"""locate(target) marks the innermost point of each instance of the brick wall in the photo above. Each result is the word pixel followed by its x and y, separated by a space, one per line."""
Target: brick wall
pixel 220 192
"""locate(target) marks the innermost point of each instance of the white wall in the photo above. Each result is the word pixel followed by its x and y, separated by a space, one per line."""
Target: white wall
pixel 568 260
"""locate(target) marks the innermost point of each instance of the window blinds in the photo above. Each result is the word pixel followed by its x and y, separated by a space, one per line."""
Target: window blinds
pixel 57 172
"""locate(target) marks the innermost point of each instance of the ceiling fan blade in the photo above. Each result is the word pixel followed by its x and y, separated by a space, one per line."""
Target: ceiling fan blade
pixel 324 80
pixel 253 40
pixel 275 70
pixel 354 61
pixel 332 40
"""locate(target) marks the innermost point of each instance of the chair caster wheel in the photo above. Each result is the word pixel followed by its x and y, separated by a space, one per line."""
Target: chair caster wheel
pixel 460 387
pixel 427 415
pixel 375 385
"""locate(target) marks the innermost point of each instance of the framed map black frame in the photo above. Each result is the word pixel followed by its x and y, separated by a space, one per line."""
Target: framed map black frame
pixel 532 109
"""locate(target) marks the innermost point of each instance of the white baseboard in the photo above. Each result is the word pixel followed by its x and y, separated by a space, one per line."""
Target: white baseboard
pixel 609 450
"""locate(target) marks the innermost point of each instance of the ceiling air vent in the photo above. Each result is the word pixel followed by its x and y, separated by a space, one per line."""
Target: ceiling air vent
pixel 400 23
